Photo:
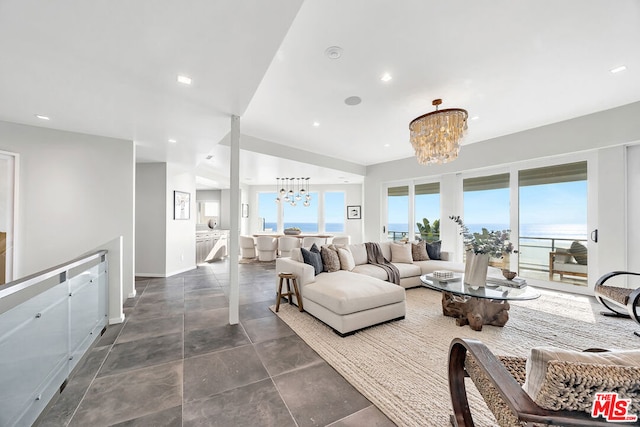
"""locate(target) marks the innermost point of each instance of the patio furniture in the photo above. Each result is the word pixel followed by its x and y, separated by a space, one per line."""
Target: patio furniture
pixel 621 302
pixel 500 382
pixel 562 263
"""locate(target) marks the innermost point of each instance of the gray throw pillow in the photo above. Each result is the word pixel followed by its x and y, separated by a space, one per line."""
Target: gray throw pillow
pixel 313 258
pixel 433 249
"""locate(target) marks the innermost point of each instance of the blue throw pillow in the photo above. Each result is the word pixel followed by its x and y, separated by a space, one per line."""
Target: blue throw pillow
pixel 313 258
pixel 433 249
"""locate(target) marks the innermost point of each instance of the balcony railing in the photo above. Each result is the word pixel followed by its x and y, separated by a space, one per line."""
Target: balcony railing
pixel 49 320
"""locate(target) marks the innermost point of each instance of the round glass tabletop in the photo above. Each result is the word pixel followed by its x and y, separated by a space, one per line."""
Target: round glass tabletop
pixel 457 286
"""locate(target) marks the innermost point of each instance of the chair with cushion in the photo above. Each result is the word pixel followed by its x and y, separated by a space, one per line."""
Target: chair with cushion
pixel 286 244
pixel 563 384
pixel 267 247
pixel 247 247
pixel 308 241
pixel 572 261
pixel 341 240
pixel 621 302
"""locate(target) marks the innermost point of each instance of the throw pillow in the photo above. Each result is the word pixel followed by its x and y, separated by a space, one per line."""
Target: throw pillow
pixel 579 252
pixel 563 258
pixel 313 258
pixel 330 259
pixel 346 259
pixel 359 252
pixel 433 249
pixel 537 383
pixel 419 251
pixel 401 253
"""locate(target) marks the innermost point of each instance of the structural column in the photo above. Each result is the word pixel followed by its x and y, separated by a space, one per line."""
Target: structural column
pixel 234 199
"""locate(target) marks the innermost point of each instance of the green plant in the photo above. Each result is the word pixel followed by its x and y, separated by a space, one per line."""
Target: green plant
pixel 427 231
pixel 495 243
pixel 293 229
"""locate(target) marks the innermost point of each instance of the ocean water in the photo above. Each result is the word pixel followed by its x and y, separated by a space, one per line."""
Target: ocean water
pixel 538 231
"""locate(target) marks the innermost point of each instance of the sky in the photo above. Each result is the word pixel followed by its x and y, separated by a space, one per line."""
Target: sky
pixel 561 203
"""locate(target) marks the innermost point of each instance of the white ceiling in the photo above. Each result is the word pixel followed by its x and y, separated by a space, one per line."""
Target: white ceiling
pixel 109 67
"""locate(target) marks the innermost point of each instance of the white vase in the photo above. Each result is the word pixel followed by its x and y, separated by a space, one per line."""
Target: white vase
pixel 475 269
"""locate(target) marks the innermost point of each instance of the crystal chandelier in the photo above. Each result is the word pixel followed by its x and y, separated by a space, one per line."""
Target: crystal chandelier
pixel 436 136
pixel 293 190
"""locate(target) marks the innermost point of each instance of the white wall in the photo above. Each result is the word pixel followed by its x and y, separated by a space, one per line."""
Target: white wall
pixel 633 209
pixel 353 196
pixel 76 194
pixel 598 131
pixel 151 207
pixel 181 234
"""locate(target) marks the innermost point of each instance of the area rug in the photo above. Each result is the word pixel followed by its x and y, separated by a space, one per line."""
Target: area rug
pixel 401 366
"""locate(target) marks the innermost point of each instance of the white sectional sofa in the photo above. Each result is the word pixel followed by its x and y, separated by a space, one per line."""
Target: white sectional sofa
pixel 351 300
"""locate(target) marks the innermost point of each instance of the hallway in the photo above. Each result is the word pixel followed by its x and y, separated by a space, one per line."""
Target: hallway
pixel 176 361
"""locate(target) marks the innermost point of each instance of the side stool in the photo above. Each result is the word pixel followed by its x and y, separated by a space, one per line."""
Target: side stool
pixel 289 281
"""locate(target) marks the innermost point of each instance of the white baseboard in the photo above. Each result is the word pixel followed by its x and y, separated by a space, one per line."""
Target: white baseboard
pixel 184 270
pixel 150 275
pixel 116 320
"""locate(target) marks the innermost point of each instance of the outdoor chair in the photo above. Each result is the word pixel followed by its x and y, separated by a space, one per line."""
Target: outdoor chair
pixel 621 302
pixel 567 389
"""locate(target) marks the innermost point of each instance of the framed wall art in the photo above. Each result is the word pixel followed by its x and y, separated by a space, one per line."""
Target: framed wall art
pixel 353 212
pixel 181 205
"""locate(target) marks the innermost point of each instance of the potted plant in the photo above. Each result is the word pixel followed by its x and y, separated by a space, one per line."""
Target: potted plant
pixel 479 247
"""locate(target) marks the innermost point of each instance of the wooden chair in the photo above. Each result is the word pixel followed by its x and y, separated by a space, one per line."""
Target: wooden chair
pixel 621 302
pixel 499 380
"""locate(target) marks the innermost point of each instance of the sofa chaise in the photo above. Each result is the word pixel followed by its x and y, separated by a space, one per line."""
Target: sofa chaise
pixel 359 295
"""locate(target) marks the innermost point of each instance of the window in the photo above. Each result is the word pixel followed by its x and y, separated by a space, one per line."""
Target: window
pixel 268 211
pixel 553 215
pixel 305 218
pixel 334 209
pixel 398 212
pixel 486 202
pixel 427 207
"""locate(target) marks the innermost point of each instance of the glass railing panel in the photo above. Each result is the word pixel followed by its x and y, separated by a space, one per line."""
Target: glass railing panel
pixel 33 351
pixel 49 320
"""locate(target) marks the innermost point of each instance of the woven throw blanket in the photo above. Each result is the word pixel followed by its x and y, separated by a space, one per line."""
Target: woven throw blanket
pixel 375 257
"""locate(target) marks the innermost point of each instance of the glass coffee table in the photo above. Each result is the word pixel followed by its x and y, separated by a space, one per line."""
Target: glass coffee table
pixel 477 306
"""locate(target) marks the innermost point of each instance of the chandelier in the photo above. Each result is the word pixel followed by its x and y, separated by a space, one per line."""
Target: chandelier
pixel 436 136
pixel 293 190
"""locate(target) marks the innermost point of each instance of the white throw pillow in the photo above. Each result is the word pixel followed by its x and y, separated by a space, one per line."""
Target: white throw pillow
pixel 359 252
pixel 540 357
pixel 401 253
pixel 346 259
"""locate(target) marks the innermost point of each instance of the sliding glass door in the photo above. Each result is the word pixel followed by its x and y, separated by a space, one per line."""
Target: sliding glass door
pixel 553 223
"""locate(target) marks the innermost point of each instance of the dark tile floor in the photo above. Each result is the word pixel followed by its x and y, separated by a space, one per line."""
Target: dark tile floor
pixel 176 361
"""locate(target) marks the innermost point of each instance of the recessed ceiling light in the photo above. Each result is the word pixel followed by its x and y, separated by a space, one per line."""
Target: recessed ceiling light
pixel 173 141
pixel 387 145
pixel 333 52
pixel 41 117
pixel 618 69
pixel 316 124
pixel 475 117
pixel 386 77
pixel 184 79
pixel 353 100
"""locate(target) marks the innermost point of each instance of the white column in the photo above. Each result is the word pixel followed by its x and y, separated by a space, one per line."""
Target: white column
pixel 234 211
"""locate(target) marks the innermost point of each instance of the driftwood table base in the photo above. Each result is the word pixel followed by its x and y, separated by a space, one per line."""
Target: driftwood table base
pixel 475 312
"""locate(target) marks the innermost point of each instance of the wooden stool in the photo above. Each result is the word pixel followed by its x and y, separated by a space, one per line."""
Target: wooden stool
pixel 288 279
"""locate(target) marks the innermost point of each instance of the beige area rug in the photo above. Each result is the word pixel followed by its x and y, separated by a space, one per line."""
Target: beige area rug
pixel 402 366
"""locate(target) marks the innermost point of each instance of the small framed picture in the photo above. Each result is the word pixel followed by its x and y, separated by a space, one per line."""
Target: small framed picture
pixel 353 212
pixel 245 210
pixel 181 205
